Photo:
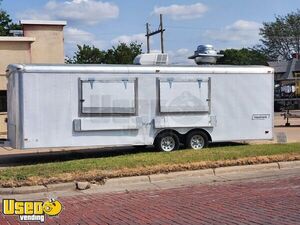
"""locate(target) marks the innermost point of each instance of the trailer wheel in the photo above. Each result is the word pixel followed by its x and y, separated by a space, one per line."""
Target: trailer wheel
pixel 167 141
pixel 196 140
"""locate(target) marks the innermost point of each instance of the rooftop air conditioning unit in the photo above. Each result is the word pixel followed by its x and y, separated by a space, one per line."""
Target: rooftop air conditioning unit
pixel 151 59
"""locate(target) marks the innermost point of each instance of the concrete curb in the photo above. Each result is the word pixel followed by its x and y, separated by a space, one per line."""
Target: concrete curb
pixel 123 181
pixel 246 168
pixel 127 180
pixel 61 186
pixel 38 188
pixel 174 175
pixel 289 165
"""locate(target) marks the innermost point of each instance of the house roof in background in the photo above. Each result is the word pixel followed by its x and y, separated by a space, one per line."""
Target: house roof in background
pixel 282 66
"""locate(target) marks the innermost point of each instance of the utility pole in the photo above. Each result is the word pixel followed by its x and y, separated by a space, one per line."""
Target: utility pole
pixel 161 33
pixel 148 37
pixel 160 30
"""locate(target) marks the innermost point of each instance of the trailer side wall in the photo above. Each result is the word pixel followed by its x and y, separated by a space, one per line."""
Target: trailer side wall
pixel 239 107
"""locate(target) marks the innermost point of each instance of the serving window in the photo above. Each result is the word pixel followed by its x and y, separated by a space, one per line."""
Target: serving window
pixel 108 96
pixel 184 95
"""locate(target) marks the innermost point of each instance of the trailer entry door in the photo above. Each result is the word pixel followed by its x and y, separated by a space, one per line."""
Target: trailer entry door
pixel 184 95
pixel 108 96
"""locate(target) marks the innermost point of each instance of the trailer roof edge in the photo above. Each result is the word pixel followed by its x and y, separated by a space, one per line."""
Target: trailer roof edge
pixel 14 67
pixel 106 68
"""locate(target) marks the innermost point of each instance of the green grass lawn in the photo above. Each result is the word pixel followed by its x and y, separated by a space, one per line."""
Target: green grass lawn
pixel 144 160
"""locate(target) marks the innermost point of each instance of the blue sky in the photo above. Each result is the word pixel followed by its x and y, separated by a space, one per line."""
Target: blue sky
pixel 225 24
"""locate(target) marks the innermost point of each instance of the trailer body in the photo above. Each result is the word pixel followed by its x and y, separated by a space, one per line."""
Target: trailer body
pixel 109 105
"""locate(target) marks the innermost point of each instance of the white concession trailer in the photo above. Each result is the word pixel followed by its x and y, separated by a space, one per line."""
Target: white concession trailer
pixel 126 105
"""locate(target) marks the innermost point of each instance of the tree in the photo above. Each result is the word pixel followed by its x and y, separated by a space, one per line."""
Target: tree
pixel 281 38
pixel 121 54
pixel 87 55
pixel 6 23
pixel 244 56
pixel 124 54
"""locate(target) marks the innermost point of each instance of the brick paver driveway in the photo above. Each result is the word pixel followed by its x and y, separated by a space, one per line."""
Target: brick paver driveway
pixel 260 202
pixel 246 202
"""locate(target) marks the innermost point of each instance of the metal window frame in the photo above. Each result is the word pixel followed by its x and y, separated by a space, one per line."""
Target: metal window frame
pixel 174 79
pixel 106 80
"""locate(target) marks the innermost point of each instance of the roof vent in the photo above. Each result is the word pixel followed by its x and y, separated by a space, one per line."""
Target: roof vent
pixel 151 59
pixel 205 54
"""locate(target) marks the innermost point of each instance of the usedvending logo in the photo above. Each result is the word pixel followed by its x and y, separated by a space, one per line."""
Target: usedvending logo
pixel 31 210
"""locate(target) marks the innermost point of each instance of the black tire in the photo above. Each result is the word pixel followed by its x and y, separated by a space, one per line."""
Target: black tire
pixel 162 138
pixel 200 135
